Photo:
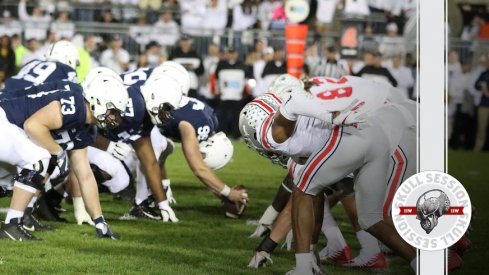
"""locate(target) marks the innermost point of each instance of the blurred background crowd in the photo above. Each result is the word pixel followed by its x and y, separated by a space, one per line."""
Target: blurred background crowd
pixel 234 48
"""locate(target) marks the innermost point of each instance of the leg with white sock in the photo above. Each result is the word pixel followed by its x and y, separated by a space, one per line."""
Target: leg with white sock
pixel 337 249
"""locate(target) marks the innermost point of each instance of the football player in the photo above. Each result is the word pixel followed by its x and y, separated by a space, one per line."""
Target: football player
pixel 60 64
pixel 40 125
pixel 147 106
pixel 365 148
pixel 194 124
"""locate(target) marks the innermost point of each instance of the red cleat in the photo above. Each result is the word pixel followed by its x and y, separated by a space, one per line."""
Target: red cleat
pixel 462 245
pixel 376 262
pixel 454 260
pixel 338 257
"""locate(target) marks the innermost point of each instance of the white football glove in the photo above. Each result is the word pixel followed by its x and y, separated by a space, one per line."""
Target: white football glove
pixel 167 213
pixel 119 150
pixel 350 115
pixel 169 192
pixel 81 214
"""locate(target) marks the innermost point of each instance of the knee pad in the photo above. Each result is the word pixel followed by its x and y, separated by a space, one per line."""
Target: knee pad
pixel 33 175
pixel 30 178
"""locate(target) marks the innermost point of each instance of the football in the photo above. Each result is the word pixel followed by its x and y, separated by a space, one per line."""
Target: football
pixel 234 210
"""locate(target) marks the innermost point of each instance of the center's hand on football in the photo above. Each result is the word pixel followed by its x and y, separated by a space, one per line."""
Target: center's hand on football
pixel 239 195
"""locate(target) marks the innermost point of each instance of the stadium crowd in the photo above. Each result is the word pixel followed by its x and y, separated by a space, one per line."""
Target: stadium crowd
pixel 233 35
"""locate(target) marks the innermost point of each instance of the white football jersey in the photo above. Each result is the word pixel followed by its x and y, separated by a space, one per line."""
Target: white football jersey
pixel 339 94
pixel 309 134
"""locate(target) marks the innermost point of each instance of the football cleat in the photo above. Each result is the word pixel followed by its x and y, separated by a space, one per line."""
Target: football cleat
pixel 16 231
pixel 314 271
pixel 462 245
pixel 32 224
pixel 44 211
pixel 454 260
pixel 376 262
pixel 260 259
pixel 141 211
pixel 261 230
pixel 103 231
pixel 338 257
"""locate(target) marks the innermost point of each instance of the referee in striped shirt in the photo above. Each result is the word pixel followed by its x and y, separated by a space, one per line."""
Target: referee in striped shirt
pixel 330 66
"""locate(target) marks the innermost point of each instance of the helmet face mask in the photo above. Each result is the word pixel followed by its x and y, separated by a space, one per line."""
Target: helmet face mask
pixel 252 115
pixel 162 95
pixel 107 97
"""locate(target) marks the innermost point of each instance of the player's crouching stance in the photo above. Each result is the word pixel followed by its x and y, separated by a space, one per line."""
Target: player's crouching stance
pixel 365 149
pixel 29 122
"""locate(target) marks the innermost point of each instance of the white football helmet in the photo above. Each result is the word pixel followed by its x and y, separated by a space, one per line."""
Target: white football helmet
pixel 253 114
pixel 284 85
pixel 97 72
pixel 105 92
pixel 216 151
pixel 177 71
pixel 65 52
pixel 162 94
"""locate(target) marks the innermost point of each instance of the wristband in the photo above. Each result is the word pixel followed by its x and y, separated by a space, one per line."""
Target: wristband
pixel 225 191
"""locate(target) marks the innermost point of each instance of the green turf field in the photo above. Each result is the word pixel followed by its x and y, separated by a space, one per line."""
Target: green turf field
pixel 204 242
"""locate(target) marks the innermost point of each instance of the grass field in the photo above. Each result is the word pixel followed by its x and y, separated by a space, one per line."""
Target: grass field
pixel 204 242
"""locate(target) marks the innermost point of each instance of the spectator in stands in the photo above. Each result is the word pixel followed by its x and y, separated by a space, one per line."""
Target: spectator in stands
pixel 165 31
pixel 265 12
pixel 258 69
pixel 141 32
pixel 84 10
pixel 7 59
pixel 244 16
pixel 155 54
pixel 231 77
pixel 368 41
pixel 402 74
pixel 208 90
pixel 108 18
pixel 35 51
pixel 470 32
pixel 274 67
pixel 87 62
pixel 115 57
pixel 9 25
pixel 460 109
pixel 454 67
pixel 51 38
pixel 392 43
pixel 356 8
pixel 356 65
pixel 324 14
pixel 128 9
pixel 35 25
pixel 151 8
pixel 279 19
pixel 62 26
pixel 329 65
pixel 216 17
pixel 482 85
pixel 19 49
pixel 192 16
pixel 191 60
pixel 376 71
